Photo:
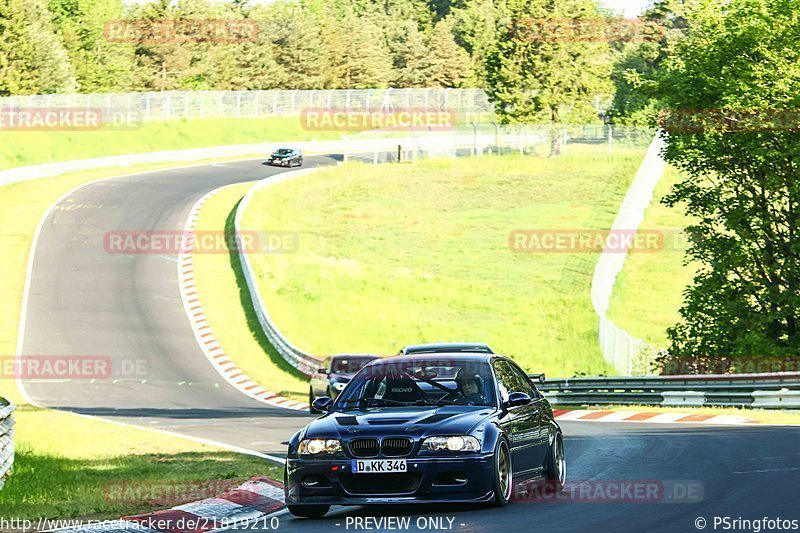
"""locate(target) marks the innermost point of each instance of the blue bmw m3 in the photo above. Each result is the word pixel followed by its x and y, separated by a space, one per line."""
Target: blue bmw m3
pixel 425 429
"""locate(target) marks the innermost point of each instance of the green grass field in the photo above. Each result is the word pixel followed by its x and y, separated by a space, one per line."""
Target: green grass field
pixel 649 290
pixel 21 148
pixel 399 254
pixel 228 309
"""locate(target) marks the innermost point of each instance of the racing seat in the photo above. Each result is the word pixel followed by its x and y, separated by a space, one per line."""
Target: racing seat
pixel 402 390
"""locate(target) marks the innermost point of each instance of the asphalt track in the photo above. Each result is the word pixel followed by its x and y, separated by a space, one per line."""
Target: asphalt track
pixel 85 301
pixel 747 472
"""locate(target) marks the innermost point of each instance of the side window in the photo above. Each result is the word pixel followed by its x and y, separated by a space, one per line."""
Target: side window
pixel 524 382
pixel 512 379
pixel 506 380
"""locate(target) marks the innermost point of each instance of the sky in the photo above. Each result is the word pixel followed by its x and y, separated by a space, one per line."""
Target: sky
pixel 627 8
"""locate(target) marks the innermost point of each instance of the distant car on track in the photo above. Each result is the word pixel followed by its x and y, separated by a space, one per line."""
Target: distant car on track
pixel 439 428
pixel 334 373
pixel 445 347
pixel 286 157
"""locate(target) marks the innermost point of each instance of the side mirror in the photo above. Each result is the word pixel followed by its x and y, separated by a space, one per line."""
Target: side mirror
pixel 324 403
pixel 516 399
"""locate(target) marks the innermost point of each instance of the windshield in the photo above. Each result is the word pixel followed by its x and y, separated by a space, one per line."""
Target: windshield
pixel 349 365
pixel 420 382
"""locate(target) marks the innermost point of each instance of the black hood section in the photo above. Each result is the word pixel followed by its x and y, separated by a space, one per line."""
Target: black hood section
pixel 413 421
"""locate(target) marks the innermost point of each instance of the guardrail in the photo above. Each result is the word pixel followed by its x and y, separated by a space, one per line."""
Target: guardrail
pixel 304 362
pixel 6 439
pixel 774 390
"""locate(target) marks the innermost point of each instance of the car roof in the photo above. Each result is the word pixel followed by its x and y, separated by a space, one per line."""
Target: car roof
pixel 447 357
pixel 446 347
pixel 356 355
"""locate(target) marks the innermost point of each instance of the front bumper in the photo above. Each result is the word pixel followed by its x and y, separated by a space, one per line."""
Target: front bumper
pixel 428 480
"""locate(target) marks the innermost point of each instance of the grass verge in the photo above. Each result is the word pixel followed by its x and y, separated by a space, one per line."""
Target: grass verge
pixel 65 463
pixel 21 148
pixel 399 254
pixel 649 291
pixel 84 468
pixel 229 309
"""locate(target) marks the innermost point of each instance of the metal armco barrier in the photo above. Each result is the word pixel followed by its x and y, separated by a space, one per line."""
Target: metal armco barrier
pixel 304 362
pixel 6 439
pixel 773 390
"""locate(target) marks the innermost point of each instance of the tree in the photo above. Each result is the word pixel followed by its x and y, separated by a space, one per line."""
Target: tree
pixel 16 51
pixel 534 75
pixel 451 63
pixel 477 25
pixel 641 59
pixel 298 44
pixel 732 90
pixel 32 58
pixel 411 54
pixel 100 64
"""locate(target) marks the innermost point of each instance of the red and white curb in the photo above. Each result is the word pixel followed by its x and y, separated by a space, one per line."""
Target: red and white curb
pixel 248 504
pixel 202 330
pixel 587 415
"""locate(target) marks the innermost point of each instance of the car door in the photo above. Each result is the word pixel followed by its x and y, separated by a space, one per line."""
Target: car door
pixel 523 421
pixel 541 423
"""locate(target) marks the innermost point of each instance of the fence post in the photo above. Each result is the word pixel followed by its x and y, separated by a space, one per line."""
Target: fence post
pixel 6 439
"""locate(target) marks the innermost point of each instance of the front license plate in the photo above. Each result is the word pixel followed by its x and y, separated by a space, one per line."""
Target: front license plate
pixel 378 466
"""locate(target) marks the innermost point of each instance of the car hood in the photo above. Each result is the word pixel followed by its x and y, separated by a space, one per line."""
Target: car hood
pixel 412 421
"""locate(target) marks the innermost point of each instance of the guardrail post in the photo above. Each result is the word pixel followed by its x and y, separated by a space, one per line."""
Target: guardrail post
pixel 6 439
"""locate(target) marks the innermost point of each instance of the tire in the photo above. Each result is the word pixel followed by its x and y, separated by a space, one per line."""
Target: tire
pixel 310 401
pixel 309 511
pixel 503 474
pixel 556 464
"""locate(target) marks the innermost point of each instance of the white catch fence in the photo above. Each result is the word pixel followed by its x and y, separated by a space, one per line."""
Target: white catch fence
pixel 6 439
pixel 619 347
pixel 170 105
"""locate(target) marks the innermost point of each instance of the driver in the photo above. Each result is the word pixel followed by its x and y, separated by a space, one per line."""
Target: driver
pixel 469 385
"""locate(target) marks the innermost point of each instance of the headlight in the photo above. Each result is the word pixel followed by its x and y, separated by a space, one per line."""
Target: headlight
pixel 339 386
pixel 315 446
pixel 453 444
